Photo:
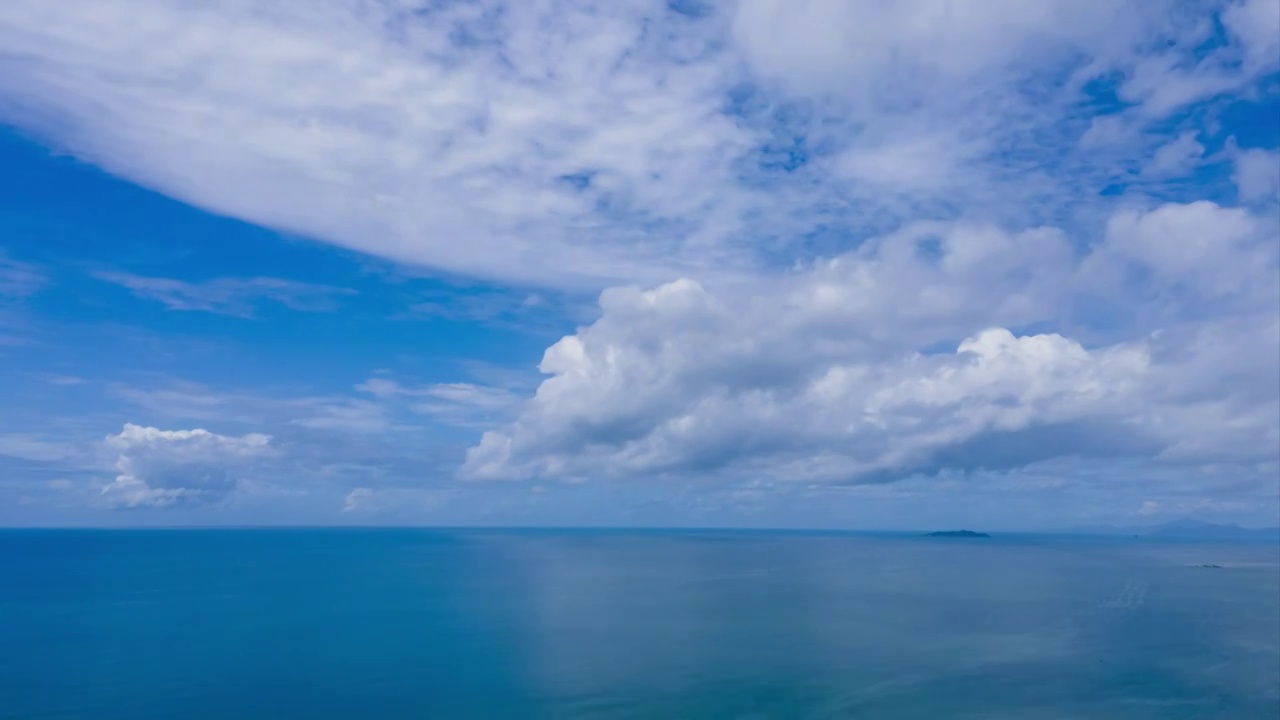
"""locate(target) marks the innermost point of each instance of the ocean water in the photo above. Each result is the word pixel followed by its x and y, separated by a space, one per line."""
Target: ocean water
pixel 250 624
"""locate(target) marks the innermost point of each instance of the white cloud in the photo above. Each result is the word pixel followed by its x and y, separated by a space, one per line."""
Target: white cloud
pixel 460 404
pixel 463 136
pixel 382 406
pixel 820 376
pixel 1215 252
pixel 166 468
pixel 65 380
pixel 188 401
pixel 587 143
pixel 1257 24
pixel 1176 158
pixel 411 502
pixel 230 296
pixel 357 499
pixel 845 421
pixel 1107 131
pixel 346 415
pixel 850 48
pixel 1257 174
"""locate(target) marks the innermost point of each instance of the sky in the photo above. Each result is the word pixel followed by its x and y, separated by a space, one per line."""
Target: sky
pixel 1004 264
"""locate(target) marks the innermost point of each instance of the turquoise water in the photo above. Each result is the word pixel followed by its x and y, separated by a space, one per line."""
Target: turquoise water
pixel 323 624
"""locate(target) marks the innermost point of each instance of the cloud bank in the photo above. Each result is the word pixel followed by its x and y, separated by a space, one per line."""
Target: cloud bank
pixel 823 377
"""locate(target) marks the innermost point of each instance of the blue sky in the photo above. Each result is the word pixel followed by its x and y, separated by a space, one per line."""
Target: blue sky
pixel 758 263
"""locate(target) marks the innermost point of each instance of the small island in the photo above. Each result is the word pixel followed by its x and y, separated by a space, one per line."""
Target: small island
pixel 957 534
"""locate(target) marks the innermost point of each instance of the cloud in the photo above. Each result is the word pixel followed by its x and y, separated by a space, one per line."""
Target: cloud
pixel 385 432
pixel 65 380
pixel 382 405
pixel 857 49
pixel 190 401
pixel 1211 252
pixel 1257 24
pixel 1107 131
pixel 229 296
pixel 833 373
pixel 27 446
pixel 1176 158
pixel 1196 66
pixel 1257 174
pixel 168 468
pixel 410 502
pixel 18 282
pixel 18 279
pixel 846 422
pixel 460 404
pixel 585 144
pixel 510 309
pixel 477 138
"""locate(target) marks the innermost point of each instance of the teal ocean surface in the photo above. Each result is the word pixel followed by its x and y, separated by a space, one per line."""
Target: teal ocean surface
pixel 250 624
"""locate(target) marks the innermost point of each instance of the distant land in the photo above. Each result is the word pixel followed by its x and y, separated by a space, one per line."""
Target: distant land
pixel 957 534
pixel 1187 529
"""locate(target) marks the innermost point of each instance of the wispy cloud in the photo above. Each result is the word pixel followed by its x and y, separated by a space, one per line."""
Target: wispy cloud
pixel 18 282
pixel 229 296
pixel 28 446
pixel 18 279
pixel 65 380
pixel 567 143
pixel 459 404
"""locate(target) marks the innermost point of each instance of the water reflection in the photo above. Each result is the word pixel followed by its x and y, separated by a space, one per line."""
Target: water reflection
pixel 821 626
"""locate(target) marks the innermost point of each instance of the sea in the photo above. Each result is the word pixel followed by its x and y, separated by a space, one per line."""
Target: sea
pixel 431 623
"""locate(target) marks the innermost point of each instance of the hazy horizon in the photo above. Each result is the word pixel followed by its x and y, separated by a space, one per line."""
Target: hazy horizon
pixel 1090 529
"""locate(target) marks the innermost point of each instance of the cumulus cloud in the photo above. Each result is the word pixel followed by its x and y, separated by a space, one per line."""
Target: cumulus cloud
pixel 834 373
pixel 167 468
pixel 845 421
pixel 1191 258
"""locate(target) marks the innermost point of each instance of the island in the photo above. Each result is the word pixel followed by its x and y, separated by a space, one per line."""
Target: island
pixel 957 534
